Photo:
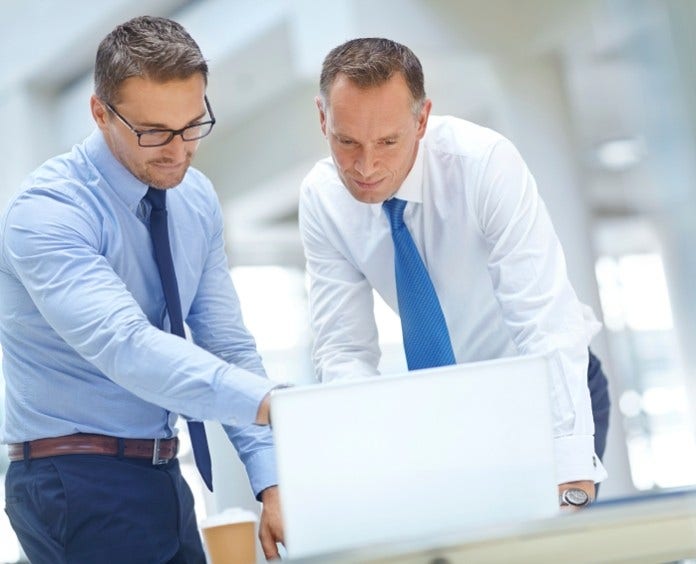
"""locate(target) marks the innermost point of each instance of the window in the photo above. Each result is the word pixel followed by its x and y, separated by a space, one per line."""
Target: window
pixel 638 318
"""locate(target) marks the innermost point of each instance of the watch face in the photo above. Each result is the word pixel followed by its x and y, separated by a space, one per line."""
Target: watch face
pixel 575 496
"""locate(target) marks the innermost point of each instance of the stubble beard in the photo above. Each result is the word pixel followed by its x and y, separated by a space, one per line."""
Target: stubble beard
pixel 160 180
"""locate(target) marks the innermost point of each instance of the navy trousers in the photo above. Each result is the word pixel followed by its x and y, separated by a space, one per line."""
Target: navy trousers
pixel 92 508
pixel 599 394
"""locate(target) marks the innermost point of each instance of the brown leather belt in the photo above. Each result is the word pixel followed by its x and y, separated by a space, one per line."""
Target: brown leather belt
pixel 159 450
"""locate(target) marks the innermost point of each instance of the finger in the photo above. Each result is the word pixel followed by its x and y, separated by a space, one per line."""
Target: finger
pixel 270 550
pixel 280 538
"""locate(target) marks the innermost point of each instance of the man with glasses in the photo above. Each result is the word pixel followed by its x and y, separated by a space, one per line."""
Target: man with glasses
pixel 90 299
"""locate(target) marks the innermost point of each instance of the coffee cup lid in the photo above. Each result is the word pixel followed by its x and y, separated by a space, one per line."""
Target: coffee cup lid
pixel 229 516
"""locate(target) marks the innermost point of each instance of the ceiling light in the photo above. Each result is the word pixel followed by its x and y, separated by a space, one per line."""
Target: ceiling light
pixel 620 154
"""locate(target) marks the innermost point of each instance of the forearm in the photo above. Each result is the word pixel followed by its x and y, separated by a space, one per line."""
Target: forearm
pixel 254 444
pixel 346 342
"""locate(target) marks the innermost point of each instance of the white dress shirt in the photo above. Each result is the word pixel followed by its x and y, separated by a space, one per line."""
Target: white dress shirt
pixel 495 261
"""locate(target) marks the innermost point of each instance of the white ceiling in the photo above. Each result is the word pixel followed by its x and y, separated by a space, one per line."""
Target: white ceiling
pixel 611 62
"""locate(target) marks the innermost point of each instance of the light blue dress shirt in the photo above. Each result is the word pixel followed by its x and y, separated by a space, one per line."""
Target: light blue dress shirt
pixel 81 304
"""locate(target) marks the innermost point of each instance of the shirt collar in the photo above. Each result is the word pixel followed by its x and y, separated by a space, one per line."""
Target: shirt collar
pixel 126 186
pixel 411 189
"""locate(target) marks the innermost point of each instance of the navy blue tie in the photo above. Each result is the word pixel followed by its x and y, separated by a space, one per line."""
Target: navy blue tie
pixel 163 255
pixel 426 338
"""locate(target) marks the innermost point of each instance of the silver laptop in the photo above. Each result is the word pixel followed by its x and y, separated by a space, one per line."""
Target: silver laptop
pixel 402 457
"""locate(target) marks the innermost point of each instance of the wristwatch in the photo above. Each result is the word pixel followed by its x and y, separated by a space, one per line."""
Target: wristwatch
pixel 575 497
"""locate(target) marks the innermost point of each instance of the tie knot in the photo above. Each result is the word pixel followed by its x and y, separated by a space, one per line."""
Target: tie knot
pixel 157 198
pixel 395 211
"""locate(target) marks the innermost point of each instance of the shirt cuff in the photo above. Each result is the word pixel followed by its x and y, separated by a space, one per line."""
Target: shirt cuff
pixel 261 469
pixel 576 459
pixel 237 404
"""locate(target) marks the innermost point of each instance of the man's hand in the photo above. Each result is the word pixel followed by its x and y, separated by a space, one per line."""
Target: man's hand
pixel 263 415
pixel 271 524
pixel 587 486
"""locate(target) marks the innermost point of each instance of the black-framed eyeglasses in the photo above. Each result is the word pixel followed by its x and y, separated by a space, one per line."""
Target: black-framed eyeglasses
pixel 159 137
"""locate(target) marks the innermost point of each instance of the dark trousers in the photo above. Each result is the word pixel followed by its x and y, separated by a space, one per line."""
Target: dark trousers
pixel 92 508
pixel 599 394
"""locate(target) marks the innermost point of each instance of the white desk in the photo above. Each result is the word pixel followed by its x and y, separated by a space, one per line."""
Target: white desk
pixel 650 529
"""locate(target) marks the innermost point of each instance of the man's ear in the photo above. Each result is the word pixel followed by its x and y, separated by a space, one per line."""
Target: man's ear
pixel 99 111
pixel 423 118
pixel 322 113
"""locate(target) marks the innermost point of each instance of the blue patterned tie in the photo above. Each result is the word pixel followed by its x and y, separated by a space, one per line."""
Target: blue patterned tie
pixel 426 339
pixel 163 255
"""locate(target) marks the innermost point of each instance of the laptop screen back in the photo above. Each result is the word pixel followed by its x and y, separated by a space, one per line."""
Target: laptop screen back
pixel 427 452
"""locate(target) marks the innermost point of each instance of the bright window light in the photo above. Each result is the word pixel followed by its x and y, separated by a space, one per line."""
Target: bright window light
pixel 633 292
pixel 645 293
pixel 274 305
pixel 664 400
pixel 637 312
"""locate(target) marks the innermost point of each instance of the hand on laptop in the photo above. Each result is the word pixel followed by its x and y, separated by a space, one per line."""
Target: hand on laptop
pixel 263 415
pixel 573 496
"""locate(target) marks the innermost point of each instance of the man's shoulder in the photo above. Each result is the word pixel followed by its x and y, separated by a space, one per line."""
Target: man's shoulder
pixel 322 178
pixel 449 134
pixel 323 172
pixel 63 176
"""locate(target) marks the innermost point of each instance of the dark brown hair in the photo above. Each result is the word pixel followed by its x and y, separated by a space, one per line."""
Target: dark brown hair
pixel 151 47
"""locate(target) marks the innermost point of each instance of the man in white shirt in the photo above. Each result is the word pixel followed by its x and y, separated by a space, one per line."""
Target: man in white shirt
pixel 480 227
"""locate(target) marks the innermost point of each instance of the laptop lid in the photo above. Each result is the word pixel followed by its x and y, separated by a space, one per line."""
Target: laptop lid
pixel 431 451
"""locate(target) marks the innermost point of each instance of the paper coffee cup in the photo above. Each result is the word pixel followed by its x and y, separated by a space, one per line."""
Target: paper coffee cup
pixel 230 536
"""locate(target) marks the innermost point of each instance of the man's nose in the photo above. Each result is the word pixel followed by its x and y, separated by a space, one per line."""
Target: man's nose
pixel 366 162
pixel 177 147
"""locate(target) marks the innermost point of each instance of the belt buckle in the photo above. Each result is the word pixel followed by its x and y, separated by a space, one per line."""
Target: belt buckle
pixel 156 460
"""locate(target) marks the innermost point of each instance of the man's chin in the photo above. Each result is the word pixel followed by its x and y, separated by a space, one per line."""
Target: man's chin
pixel 165 177
pixel 164 183
pixel 161 186
pixel 369 196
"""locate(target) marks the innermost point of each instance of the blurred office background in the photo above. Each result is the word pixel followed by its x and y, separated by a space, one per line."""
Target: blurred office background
pixel 598 96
